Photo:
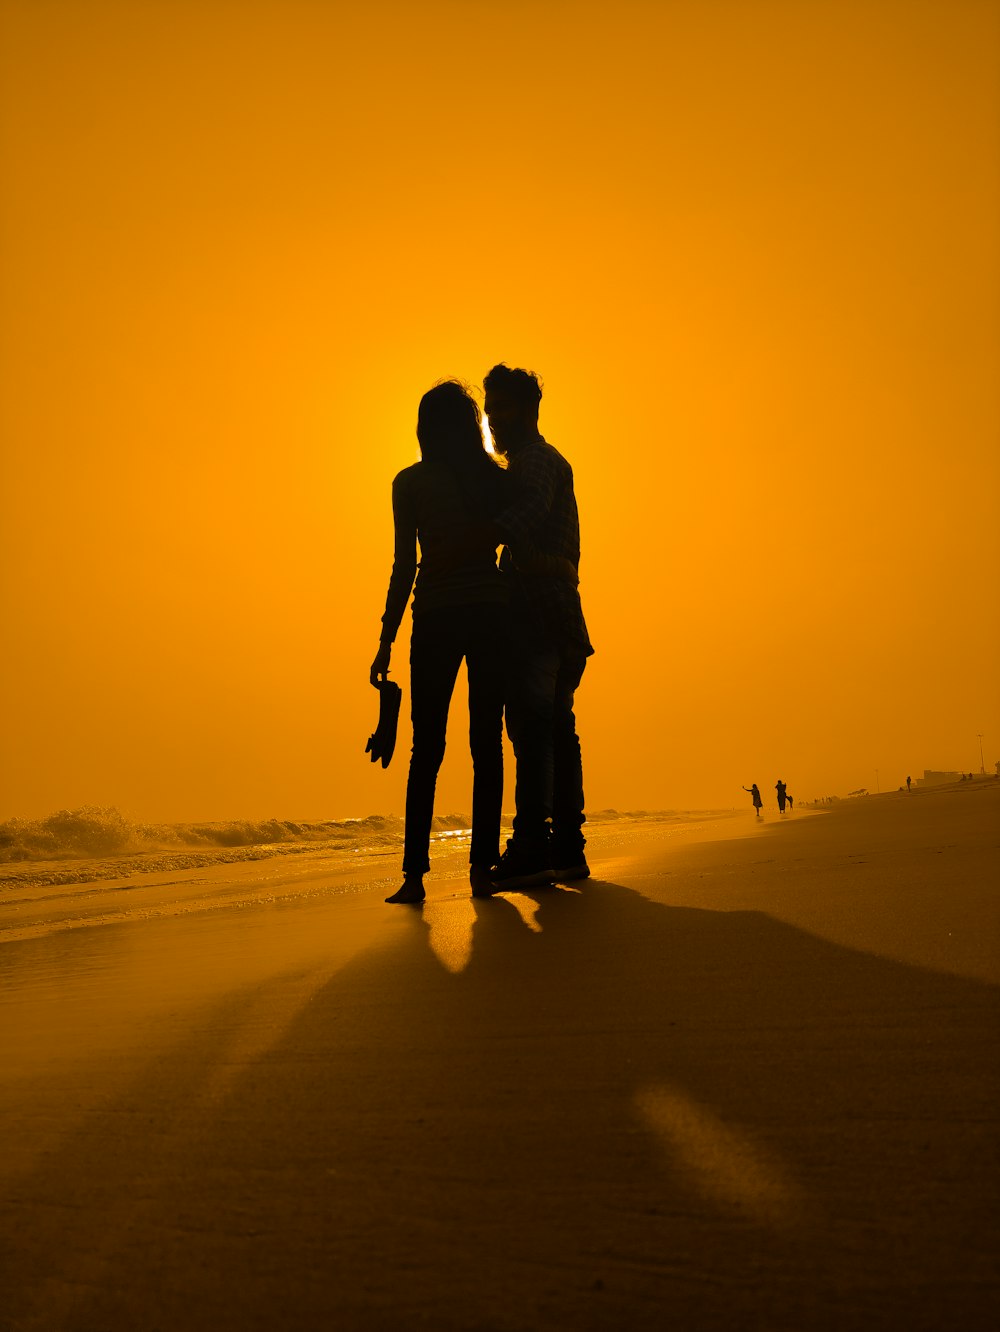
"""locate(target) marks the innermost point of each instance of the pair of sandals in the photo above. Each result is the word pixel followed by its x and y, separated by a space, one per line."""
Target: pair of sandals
pixel 382 741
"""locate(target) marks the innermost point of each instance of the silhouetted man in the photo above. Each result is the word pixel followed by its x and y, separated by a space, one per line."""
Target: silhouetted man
pixel 550 641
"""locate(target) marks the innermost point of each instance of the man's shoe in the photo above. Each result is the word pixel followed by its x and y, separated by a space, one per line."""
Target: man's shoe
pixel 521 869
pixel 578 869
pixel 568 863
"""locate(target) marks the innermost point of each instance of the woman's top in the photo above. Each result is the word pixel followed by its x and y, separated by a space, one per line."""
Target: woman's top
pixel 449 517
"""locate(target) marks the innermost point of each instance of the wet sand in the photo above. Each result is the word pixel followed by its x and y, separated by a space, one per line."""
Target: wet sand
pixel 744 1082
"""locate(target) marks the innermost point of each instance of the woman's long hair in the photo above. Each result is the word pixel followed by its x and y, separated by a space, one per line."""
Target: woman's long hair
pixel 449 430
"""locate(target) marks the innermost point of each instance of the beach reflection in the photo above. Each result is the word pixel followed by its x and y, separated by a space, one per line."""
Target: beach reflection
pixel 725 1165
pixel 451 925
pixel 78 993
pixel 527 909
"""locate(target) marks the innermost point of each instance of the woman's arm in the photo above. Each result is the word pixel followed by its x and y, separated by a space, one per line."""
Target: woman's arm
pixel 404 570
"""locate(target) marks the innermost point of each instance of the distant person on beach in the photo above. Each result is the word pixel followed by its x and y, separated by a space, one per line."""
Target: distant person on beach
pixel 460 610
pixel 908 784
pixel 758 804
pixel 549 640
pixel 782 795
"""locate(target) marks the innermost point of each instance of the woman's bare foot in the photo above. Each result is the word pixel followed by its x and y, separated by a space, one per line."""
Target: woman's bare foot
pixel 482 884
pixel 411 892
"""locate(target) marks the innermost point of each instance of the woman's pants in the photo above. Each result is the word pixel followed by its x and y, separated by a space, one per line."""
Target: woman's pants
pixel 439 641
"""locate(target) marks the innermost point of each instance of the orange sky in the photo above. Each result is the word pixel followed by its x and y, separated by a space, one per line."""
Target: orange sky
pixel 752 250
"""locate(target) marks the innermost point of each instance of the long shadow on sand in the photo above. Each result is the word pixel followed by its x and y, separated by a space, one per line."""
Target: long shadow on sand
pixel 630 1116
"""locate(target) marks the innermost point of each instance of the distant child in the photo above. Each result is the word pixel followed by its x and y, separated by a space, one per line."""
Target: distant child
pixel 758 804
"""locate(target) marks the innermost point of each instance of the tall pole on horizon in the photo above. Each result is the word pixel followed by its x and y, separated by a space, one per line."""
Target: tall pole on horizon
pixel 982 762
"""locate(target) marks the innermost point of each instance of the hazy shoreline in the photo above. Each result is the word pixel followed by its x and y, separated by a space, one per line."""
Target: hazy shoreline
pixel 37 898
pixel 28 856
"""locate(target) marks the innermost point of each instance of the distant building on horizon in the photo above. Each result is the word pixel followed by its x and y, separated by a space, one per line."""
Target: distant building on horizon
pixel 931 778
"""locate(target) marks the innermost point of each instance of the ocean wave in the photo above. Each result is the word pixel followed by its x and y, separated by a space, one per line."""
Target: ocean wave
pixel 92 831
pixel 92 843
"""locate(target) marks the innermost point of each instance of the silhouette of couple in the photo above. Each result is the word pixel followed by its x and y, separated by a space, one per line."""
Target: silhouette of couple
pixel 518 624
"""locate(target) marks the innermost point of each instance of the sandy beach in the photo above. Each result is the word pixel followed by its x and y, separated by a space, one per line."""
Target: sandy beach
pixel 744 1077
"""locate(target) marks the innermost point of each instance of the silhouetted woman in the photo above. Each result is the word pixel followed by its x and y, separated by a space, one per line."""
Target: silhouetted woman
pixel 755 794
pixel 444 502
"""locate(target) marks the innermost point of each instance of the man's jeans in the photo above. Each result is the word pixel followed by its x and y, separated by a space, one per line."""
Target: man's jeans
pixel 439 641
pixel 543 680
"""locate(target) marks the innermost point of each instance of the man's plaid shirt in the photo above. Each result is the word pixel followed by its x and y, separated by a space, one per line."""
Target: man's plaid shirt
pixel 544 517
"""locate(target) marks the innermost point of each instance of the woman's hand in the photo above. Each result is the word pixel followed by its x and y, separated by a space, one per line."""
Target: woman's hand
pixel 380 666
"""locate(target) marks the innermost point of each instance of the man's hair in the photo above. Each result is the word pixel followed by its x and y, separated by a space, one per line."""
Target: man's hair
pixel 522 386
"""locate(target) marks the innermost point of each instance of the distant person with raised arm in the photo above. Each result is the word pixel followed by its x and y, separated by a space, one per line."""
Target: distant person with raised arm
pixel 754 793
pixel 540 529
pixel 445 503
